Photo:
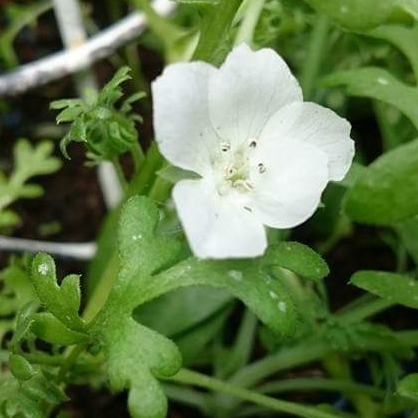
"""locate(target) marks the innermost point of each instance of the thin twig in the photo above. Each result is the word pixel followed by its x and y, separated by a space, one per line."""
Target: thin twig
pixel 82 250
pixel 68 62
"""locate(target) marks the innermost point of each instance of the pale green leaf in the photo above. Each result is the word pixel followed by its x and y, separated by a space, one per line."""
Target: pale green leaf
pixel 298 258
pixel 390 286
pixel 137 355
pixel 62 301
pixel 355 14
pixel 387 191
pixel 408 387
pixel 48 328
pixel 377 83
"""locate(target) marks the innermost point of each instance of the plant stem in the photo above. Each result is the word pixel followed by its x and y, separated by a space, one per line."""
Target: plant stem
pixel 245 32
pixel 120 174
pixel 366 310
pixel 138 156
pixel 70 360
pixel 311 350
pixel 215 27
pixel 186 376
pixel 330 385
pixel 314 56
pixel 161 26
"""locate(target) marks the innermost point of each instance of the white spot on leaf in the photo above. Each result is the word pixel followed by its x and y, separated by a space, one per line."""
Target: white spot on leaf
pixel 235 274
pixel 383 81
pixel 43 269
pixel 282 306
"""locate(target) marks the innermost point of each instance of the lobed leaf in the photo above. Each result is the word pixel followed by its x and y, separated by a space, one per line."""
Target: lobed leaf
pixel 137 356
pixel 62 301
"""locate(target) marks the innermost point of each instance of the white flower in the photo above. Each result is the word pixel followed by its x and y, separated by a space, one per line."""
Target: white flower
pixel 264 155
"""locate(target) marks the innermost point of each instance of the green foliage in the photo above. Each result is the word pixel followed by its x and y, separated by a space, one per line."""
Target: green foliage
pixel 106 129
pixel 355 14
pixel 62 301
pixel 390 286
pixel 377 83
pixel 19 16
pixel 137 355
pixel 387 191
pixel 29 398
pixel 300 259
pixel 408 387
pixel 29 161
pixel 15 292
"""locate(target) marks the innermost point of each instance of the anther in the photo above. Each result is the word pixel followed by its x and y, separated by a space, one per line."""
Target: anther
pixel 252 144
pixel 261 168
pixel 225 147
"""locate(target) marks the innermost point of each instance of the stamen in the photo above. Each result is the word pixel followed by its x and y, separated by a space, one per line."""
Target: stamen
pixel 261 168
pixel 225 147
pixel 252 144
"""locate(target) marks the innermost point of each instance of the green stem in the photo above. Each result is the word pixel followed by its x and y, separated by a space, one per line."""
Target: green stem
pixel 188 396
pixel 70 360
pixel 329 385
pixel 185 376
pixel 120 174
pixel 245 32
pixel 103 288
pixel 215 27
pixel 339 367
pixel 243 345
pixel 138 156
pixel 311 350
pixel 315 55
pixel 160 26
pixel 366 310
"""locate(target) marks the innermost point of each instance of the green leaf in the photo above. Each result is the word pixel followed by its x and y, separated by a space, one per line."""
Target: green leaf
pixel 408 387
pixel 174 174
pixel 387 191
pixel 410 6
pixel 20 367
pixel 47 327
pixel 408 232
pixel 197 1
pixel 390 286
pixel 62 301
pixel 401 36
pixel 137 355
pixel 298 258
pixel 29 161
pixel 379 84
pixel 355 14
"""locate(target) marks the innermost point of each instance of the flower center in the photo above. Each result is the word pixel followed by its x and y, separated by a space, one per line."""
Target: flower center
pixel 233 167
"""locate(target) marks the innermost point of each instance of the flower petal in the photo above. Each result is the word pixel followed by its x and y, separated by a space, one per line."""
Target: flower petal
pixel 247 90
pixel 311 123
pixel 288 190
pixel 217 226
pixel 181 118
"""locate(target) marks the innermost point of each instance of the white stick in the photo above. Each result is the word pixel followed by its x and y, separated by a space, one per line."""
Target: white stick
pixel 82 250
pixel 70 61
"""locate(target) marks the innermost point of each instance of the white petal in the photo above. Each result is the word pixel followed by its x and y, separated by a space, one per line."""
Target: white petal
pixel 319 126
pixel 217 226
pixel 247 90
pixel 289 190
pixel 181 119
